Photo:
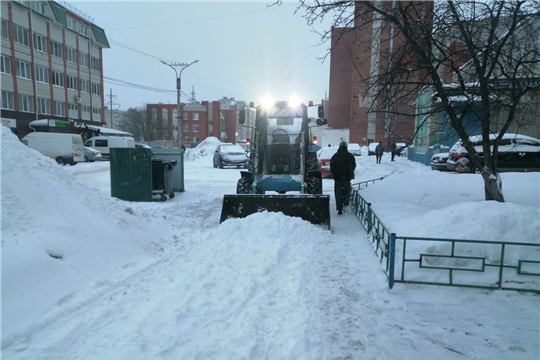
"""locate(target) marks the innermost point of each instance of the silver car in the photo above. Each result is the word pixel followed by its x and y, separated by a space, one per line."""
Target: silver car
pixel 230 155
pixel 91 154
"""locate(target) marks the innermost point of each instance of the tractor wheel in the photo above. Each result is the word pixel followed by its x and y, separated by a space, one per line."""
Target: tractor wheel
pixel 244 185
pixel 220 164
pixel 313 186
pixel 61 161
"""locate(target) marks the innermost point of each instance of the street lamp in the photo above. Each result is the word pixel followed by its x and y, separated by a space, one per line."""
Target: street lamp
pixel 180 117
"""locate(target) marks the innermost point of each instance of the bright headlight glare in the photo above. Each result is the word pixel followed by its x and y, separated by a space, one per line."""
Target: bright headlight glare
pixel 267 103
pixel 294 102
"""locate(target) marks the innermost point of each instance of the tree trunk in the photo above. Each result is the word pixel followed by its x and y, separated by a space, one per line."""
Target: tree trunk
pixel 493 186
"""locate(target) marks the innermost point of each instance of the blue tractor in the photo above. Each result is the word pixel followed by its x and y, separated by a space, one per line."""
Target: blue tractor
pixel 283 173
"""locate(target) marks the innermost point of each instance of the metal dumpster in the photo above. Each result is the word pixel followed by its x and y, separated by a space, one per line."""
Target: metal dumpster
pixel 162 178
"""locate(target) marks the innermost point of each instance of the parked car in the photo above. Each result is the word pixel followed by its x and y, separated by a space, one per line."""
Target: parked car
pixel 62 147
pixel 438 161
pixel 142 146
pixel 91 154
pixel 516 153
pixel 105 143
pixel 371 148
pixel 354 149
pixel 230 155
pixel 324 156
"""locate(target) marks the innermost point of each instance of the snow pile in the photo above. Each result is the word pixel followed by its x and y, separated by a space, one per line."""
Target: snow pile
pixel 205 148
pixel 57 203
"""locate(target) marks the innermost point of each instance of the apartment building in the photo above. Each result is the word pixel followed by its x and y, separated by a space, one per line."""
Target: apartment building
pixel 359 54
pixel 200 120
pixel 51 66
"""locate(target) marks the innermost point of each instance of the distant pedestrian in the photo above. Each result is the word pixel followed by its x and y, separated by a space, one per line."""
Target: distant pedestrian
pixel 378 152
pixel 393 149
pixel 342 166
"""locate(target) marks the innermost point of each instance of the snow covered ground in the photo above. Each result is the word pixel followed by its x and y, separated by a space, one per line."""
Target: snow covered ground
pixel 88 276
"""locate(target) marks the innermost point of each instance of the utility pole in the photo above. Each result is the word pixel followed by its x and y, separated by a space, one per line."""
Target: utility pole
pixel 111 103
pixel 180 116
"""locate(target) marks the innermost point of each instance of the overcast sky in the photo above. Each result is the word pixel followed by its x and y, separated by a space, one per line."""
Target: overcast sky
pixel 245 50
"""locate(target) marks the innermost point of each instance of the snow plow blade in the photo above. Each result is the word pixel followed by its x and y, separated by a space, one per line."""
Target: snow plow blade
pixel 312 208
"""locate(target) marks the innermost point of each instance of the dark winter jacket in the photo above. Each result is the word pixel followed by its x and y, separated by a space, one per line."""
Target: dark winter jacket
pixel 342 165
pixel 379 149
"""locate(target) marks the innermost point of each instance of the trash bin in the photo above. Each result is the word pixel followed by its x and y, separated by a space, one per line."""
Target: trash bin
pixel 162 179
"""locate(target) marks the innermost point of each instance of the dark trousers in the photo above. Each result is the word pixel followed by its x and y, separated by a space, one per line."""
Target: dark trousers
pixel 393 154
pixel 378 158
pixel 342 191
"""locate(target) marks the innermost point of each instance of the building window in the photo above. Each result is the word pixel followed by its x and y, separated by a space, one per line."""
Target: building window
pixel 72 82
pixel 7 100
pixel 23 70
pixel 95 88
pixel 85 113
pixel 25 103
pixel 195 139
pixel 42 75
pixel 195 128
pixel 58 78
pixel 82 29
pixel 73 111
pixel 186 139
pixel 56 49
pixel 6 64
pixel 60 108
pixel 186 128
pixel 43 106
pixel 175 114
pixel 154 114
pixel 70 23
pixel 5 31
pixel 195 116
pixel 185 115
pixel 85 86
pixel 71 54
pixel 83 59
pixel 94 63
pixel 20 35
pixel 37 6
pixel 96 114
pixel 40 43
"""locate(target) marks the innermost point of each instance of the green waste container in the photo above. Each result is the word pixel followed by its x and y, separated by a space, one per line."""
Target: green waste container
pixel 162 178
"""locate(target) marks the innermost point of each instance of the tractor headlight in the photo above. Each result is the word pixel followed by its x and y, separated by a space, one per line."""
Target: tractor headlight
pixel 294 102
pixel 268 103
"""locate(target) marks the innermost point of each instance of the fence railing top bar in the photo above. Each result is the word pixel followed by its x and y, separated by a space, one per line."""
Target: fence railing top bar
pixel 401 237
pixel 365 182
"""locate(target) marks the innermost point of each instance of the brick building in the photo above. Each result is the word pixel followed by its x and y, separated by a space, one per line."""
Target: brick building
pixel 357 54
pixel 51 66
pixel 200 120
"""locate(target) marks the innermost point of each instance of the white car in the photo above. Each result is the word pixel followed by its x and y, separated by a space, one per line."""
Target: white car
pixel 91 154
pixel 354 149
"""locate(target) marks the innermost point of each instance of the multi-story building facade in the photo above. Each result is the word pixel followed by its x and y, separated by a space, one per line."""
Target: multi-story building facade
pixel 51 66
pixel 358 55
pixel 200 120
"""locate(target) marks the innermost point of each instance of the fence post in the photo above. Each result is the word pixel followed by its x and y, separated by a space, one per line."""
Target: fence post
pixel 368 217
pixel 391 258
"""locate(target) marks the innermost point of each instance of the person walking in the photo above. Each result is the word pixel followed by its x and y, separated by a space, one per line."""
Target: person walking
pixel 378 152
pixel 393 149
pixel 342 166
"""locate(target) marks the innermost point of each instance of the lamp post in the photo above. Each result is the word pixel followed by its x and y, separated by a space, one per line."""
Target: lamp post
pixel 180 117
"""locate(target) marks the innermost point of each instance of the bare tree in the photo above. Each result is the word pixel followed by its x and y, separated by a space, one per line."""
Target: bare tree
pixel 469 54
pixel 136 122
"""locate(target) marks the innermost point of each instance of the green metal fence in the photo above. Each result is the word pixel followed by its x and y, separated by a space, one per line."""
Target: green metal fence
pixel 449 262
